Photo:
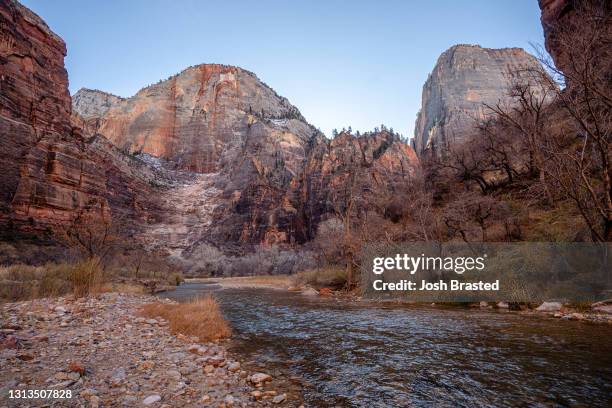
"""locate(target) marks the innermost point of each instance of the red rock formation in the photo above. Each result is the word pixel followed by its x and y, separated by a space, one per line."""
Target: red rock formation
pixel 45 173
pixel 200 119
pixel 563 14
pixel 364 169
pixel 211 154
pixel 238 142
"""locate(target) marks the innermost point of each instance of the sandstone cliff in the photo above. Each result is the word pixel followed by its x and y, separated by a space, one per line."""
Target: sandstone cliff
pixel 45 174
pixel 252 170
pixel 236 141
pixel 90 103
pixel 553 11
pixel 201 118
pixel 211 154
pixel 465 77
pixel 364 170
pixel 564 14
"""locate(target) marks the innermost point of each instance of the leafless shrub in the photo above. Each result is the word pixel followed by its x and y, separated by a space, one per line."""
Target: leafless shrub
pixel 91 232
pixel 207 260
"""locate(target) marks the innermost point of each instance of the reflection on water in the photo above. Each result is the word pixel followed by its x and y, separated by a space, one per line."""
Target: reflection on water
pixel 374 355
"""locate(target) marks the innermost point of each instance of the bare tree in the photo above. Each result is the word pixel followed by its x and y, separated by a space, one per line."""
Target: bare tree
pixel 91 231
pixel 471 215
pixel 527 113
pixel 581 159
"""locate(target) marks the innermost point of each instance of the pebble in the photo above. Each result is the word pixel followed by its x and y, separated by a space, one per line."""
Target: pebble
pixel 106 362
pixel 549 307
pixel 174 375
pixel 279 398
pixel 94 401
pixel 258 378
pixel 151 399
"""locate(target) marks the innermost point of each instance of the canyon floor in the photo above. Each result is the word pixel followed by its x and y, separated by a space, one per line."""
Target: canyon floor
pixel 108 355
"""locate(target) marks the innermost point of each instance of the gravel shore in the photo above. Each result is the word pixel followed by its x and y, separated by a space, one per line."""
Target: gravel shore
pixel 101 350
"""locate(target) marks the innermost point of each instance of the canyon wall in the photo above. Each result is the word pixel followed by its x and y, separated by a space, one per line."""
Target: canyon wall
pixel 566 15
pixel 554 12
pixel 211 154
pixel 46 176
pixel 465 78
pixel 253 170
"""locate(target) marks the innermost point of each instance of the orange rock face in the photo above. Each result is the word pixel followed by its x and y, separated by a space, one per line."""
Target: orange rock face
pixel 201 118
pixel 46 174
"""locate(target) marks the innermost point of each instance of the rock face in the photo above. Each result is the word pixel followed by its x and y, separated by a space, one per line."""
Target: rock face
pixel 233 143
pixel 251 169
pixel 90 103
pixel 465 77
pixel 359 169
pixel 203 118
pixel 553 11
pixel 211 154
pixel 45 174
pixel 563 13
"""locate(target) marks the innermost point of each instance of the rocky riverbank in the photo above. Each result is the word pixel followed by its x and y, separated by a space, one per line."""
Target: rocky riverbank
pixel 599 312
pixel 107 355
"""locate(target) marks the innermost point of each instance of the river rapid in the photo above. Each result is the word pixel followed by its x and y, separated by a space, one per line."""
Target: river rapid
pixel 330 353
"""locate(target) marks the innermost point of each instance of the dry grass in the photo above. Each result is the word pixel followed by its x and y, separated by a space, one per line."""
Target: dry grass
pixel 122 287
pixel 280 281
pixel 24 282
pixel 200 317
pixel 327 277
pixel 86 277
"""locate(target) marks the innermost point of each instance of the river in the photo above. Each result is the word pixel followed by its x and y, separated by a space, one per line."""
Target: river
pixel 363 354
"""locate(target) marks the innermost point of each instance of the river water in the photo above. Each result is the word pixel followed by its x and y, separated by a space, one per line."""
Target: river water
pixel 336 353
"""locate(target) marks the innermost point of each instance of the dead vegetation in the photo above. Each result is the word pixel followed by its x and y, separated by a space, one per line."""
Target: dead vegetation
pixel 333 277
pixel 24 282
pixel 537 168
pixel 200 317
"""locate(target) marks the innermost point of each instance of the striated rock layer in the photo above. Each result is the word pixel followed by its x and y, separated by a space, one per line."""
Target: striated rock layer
pixel 464 78
pixel 252 169
pixel 46 174
pixel 202 118
pixel 211 154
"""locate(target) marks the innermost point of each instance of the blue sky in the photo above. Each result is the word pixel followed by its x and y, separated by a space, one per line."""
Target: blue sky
pixel 357 63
